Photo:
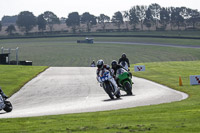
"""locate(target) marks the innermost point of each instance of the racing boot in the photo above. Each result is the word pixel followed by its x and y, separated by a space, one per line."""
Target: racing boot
pixel 3 94
pixel 116 90
pixel 2 105
pixel 115 86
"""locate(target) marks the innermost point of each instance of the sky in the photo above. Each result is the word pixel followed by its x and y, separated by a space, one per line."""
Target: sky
pixel 95 7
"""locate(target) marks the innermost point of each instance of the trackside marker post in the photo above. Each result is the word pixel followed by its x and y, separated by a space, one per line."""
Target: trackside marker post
pixel 139 68
pixel 180 81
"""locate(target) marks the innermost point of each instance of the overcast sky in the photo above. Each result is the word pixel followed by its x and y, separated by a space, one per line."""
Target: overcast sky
pixel 96 7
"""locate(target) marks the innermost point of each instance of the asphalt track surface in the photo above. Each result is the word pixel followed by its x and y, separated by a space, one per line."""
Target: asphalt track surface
pixel 152 44
pixel 64 90
pixel 142 43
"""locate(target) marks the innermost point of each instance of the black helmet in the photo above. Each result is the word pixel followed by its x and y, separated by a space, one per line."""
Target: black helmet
pixel 114 64
pixel 100 63
pixel 123 55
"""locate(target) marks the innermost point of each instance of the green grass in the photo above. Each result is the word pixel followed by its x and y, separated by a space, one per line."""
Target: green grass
pixel 176 117
pixel 172 117
pixel 61 52
pixel 12 78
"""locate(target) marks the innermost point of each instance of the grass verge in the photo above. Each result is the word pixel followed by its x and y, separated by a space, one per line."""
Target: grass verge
pixel 173 117
pixel 63 52
pixel 12 78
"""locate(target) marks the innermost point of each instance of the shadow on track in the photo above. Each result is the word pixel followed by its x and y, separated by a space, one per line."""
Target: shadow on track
pixel 125 95
pixel 116 99
pixel 3 113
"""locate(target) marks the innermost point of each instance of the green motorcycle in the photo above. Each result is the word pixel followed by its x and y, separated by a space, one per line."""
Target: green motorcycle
pixel 124 80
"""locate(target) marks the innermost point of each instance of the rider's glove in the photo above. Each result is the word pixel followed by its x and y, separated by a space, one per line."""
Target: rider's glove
pixel 6 97
pixel 98 79
pixel 111 72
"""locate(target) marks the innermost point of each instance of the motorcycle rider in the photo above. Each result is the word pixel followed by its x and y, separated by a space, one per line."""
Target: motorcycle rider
pixel 115 67
pixel 93 64
pixel 124 58
pixel 3 94
pixel 101 66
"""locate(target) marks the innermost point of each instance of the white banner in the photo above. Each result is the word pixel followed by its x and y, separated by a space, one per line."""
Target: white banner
pixel 139 68
pixel 195 80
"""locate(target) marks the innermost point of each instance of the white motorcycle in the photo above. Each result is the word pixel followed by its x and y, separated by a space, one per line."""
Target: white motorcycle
pixel 104 78
pixel 124 64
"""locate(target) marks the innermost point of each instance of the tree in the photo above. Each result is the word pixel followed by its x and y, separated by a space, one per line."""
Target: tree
pixel 176 18
pixel 51 19
pixel 134 20
pixel 102 19
pixel 141 10
pixel 126 17
pixel 26 21
pixel 10 29
pixel 73 21
pixel 89 20
pixel 118 19
pixel 0 26
pixel 194 17
pixel 164 17
pixel 155 11
pixel 41 22
pixel 170 10
pixel 148 19
pixel 184 12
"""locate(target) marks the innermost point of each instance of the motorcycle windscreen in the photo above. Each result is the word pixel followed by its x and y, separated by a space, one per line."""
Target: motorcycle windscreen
pixel 120 71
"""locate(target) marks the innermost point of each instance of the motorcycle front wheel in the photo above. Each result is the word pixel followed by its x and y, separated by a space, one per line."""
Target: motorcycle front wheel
pixel 128 88
pixel 8 107
pixel 108 89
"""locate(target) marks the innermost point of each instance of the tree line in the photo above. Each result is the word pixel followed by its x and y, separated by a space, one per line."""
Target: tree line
pixel 148 16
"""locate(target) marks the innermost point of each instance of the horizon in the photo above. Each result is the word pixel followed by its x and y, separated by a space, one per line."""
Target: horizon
pixel 63 8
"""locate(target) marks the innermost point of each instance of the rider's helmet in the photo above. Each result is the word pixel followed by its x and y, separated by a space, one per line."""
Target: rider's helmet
pixel 123 55
pixel 100 63
pixel 114 64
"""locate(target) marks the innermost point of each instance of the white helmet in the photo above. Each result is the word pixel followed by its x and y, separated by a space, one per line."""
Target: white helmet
pixel 100 63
